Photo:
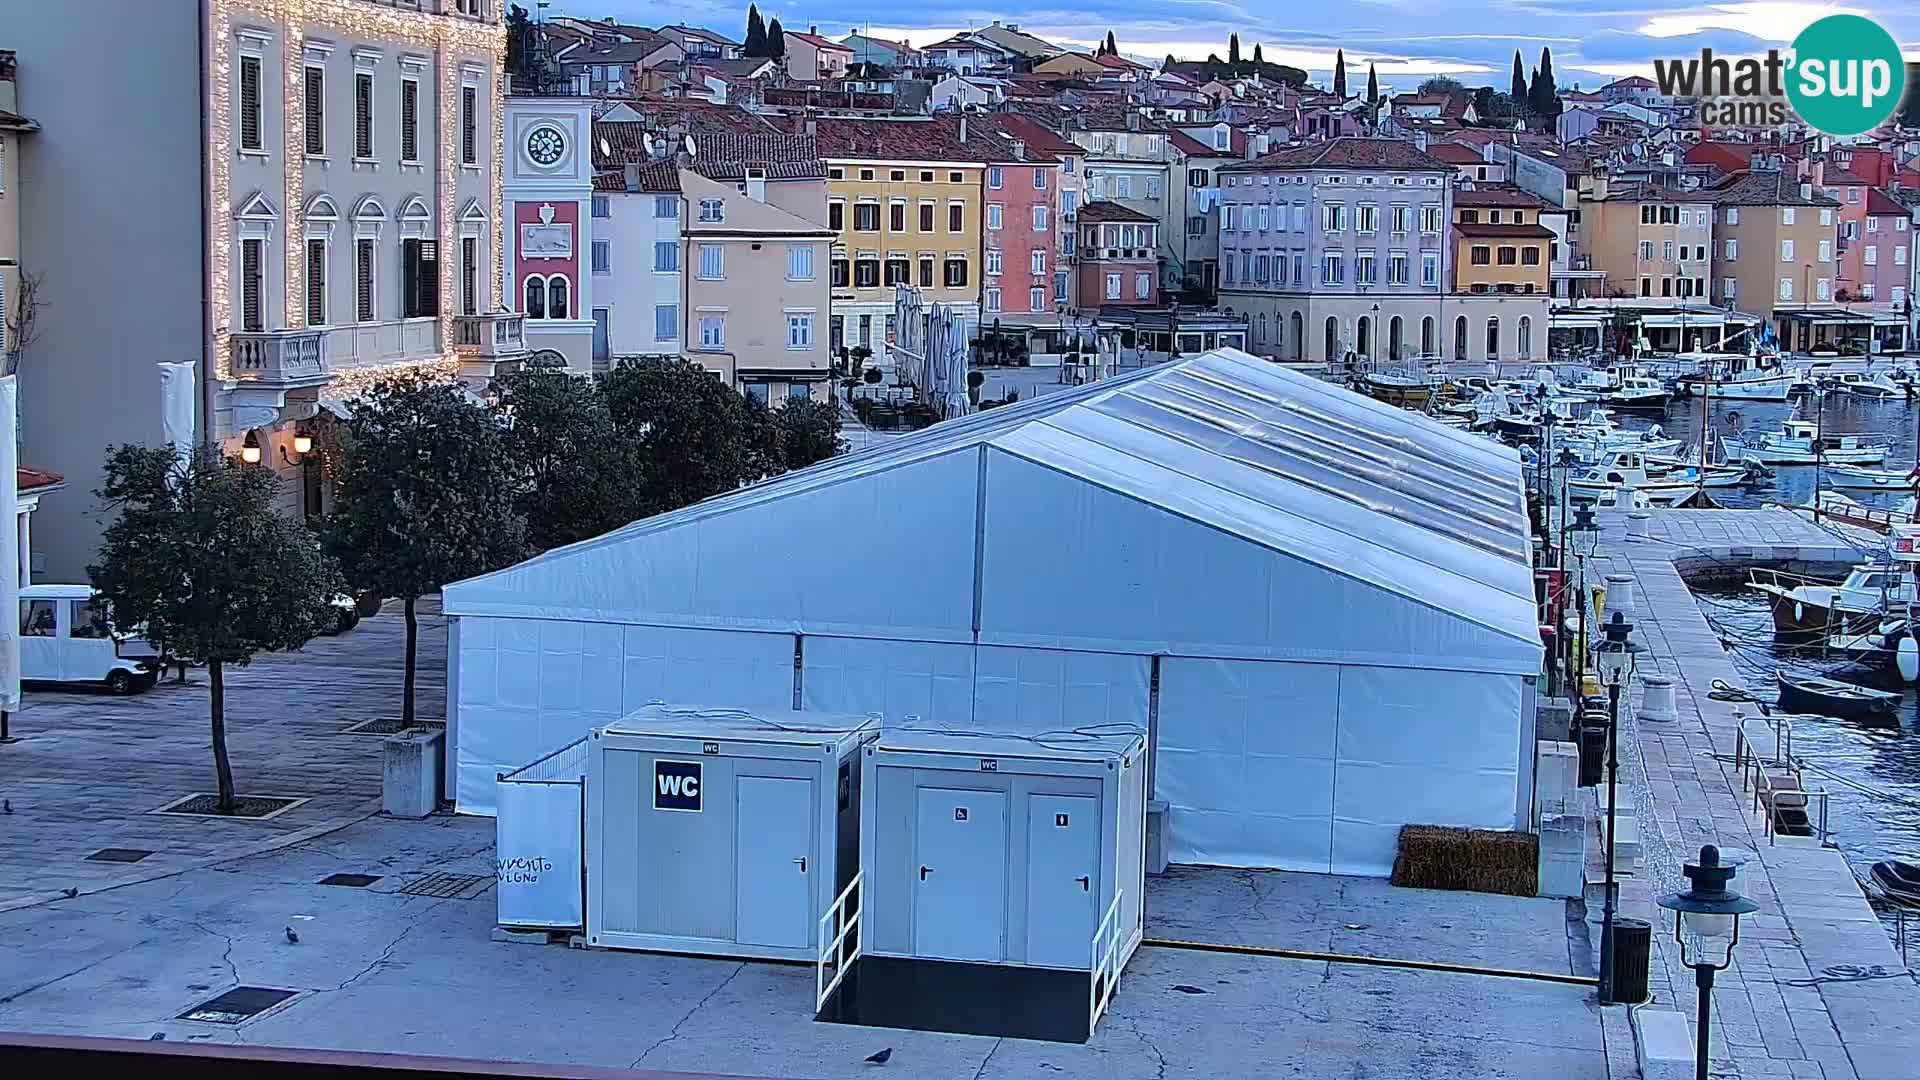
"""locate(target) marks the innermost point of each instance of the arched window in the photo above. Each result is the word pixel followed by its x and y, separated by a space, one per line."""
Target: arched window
pixel 1365 338
pixel 1263 328
pixel 1396 340
pixel 1333 339
pixel 536 306
pixel 1460 338
pixel 1427 344
pixel 1299 342
pixel 557 297
pixel 1493 339
pixel 1526 338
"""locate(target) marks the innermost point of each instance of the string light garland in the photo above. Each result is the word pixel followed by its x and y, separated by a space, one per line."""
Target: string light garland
pixel 354 382
pixel 451 39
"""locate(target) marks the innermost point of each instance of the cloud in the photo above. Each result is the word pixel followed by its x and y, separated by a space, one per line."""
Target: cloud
pixel 1616 46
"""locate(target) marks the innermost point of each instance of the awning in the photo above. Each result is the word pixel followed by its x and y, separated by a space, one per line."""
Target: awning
pixel 1571 321
pixel 1688 320
pixel 1827 318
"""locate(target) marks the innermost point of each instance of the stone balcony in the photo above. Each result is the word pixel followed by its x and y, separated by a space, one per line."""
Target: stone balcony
pixel 489 345
pixel 376 344
pixel 281 359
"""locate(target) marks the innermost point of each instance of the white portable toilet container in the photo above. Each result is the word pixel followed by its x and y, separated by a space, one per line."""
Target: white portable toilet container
pixel 1001 884
pixel 721 831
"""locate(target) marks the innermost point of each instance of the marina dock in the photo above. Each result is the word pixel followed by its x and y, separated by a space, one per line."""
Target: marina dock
pixel 1817 988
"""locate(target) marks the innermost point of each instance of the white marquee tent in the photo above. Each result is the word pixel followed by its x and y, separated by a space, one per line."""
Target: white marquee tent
pixel 1320 605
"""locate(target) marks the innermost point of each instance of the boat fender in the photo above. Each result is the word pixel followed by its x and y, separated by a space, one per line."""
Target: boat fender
pixel 1906 657
pixel 1799 612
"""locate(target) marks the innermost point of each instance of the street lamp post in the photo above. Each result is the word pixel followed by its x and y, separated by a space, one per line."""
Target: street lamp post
pixel 1584 535
pixel 1616 658
pixel 1709 909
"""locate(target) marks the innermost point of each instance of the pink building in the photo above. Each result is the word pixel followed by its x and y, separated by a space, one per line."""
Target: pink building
pixel 1118 265
pixel 1850 223
pixel 1884 246
pixel 1020 194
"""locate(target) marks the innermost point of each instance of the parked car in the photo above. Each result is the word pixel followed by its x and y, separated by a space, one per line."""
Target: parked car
pixel 67 636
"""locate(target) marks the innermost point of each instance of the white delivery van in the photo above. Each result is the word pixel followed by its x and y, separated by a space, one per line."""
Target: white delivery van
pixel 66 636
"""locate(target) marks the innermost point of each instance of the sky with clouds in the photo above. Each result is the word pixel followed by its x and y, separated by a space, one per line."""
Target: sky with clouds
pixel 1473 40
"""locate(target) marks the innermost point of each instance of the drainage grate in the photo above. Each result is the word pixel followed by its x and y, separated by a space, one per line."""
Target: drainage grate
pixel 448 886
pixel 237 1005
pixel 118 854
pixel 351 881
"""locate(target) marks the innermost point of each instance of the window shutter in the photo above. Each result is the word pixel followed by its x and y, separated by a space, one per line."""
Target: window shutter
pixel 363 259
pixel 5 314
pixel 469 108
pixel 316 98
pixel 363 116
pixel 316 283
pixel 409 121
pixel 250 102
pixel 250 285
pixel 469 263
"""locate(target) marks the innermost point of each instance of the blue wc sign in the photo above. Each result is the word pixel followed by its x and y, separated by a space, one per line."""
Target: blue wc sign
pixel 676 785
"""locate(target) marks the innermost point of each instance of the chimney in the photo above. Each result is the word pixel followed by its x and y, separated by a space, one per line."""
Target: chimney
pixel 812 127
pixel 1019 150
pixel 963 119
pixel 1014 26
pixel 1252 150
pixel 814 30
pixel 756 183
pixel 632 175
pixel 1133 121
pixel 1806 191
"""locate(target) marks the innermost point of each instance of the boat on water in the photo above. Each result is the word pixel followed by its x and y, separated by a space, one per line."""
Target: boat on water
pixel 1398 386
pixel 1860 477
pixel 1751 385
pixel 1640 392
pixel 1876 385
pixel 1627 470
pixel 1805 608
pixel 1899 880
pixel 1831 697
pixel 1800 442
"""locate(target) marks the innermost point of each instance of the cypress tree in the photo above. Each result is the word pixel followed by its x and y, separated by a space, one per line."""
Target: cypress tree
pixel 1544 96
pixel 1233 49
pixel 776 40
pixel 1373 97
pixel 1112 49
pixel 1340 73
pixel 1519 91
pixel 756 43
pixel 1256 54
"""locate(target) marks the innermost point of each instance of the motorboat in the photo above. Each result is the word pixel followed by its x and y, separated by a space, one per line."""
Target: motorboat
pixel 1628 470
pixel 1865 479
pixel 1831 697
pixel 1800 442
pixel 1805 608
pixel 1640 392
pixel 1398 386
pixel 1862 384
pixel 1751 385
pixel 1899 881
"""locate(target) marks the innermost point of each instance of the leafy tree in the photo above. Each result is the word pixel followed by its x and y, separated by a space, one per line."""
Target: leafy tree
pixel 1256 55
pixel 1519 91
pixel 578 471
pixel 1373 96
pixel 425 496
pixel 807 431
pixel 1340 73
pixel 696 435
pixel 1441 84
pixel 519 40
pixel 1233 49
pixel 756 43
pixel 199 555
pixel 776 40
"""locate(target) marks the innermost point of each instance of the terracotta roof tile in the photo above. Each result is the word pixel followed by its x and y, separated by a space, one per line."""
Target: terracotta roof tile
pixel 27 478
pixel 1105 210
pixel 1492 231
pixel 1454 153
pixel 1880 203
pixel 933 138
pixel 1766 189
pixel 1500 195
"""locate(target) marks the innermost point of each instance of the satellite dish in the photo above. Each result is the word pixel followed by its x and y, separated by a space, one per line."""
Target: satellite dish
pixel 688 140
pixel 606 150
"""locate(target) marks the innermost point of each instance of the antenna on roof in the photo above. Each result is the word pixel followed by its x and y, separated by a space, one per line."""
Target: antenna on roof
pixel 605 149
pixel 688 140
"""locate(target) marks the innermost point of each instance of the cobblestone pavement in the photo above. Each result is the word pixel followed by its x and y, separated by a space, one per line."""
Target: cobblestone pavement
pixel 88 768
pixel 1779 1011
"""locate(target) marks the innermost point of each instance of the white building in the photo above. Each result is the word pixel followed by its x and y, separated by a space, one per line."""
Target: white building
pixel 636 259
pixel 1320 608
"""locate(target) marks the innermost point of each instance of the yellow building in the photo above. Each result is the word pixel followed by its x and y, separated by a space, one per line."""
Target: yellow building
pixel 12 126
pixel 1774 256
pixel 904 200
pixel 1650 241
pixel 1499 242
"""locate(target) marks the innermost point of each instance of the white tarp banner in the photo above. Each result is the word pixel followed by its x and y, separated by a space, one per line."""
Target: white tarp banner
pixel 178 406
pixel 538 866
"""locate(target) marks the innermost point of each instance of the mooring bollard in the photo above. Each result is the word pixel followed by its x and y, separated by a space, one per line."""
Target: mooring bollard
pixel 1619 597
pixel 1656 701
pixel 1637 525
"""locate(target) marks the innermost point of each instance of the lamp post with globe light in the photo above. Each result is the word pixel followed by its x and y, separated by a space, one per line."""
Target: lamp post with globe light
pixel 1616 658
pixel 1710 911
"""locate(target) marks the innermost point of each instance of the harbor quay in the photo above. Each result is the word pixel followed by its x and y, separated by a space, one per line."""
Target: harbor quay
pixel 1816 986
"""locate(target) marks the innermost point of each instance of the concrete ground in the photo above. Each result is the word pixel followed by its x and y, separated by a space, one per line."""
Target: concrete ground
pixel 380 970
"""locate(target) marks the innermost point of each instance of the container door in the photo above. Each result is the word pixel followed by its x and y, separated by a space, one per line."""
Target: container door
pixel 773 841
pixel 960 875
pixel 1063 879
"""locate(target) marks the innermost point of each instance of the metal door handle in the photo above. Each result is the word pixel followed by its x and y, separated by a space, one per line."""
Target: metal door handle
pixel 1086 883
pixel 801 862
pixel 923 872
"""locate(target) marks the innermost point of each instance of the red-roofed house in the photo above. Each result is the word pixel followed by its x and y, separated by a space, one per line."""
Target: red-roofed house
pixel 1117 263
pixel 811 57
pixel 1470 162
pixel 1883 254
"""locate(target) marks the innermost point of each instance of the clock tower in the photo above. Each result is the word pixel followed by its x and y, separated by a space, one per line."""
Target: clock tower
pixel 548 190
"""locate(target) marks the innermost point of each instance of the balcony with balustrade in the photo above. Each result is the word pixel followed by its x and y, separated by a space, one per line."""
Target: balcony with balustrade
pixel 490 344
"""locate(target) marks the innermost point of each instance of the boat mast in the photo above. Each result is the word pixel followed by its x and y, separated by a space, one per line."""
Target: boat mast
pixel 1819 444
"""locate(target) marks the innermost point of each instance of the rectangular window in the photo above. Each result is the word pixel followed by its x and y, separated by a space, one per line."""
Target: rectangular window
pixel 314 93
pixel 1332 271
pixel 469 275
pixel 1733 250
pixel 896 271
pixel 1369 218
pixel 1142 285
pixel 993 215
pixel 799 331
pixel 993 262
pixel 250 136
pixel 712 212
pixel 409 120
pixel 713 331
pixel 1039 179
pixel 1430 219
pixel 836 215
pixel 1363 269
pixel 713 262
pixel 316 283
pixel 993 176
pixel 252 267
pixel 839 273
pixel 1482 255
pixel 1786 250
pixel 469 125
pixel 1429 268
pixel 1060 284
pixel 420 278
pixel 926 271
pixel 926 217
pixel 1040 216
pixel 363 115
pixel 1397 268
pixel 956 273
pixel 866 217
pixel 1508 256
pixel 666 256
pixel 1826 251
pixel 866 273
pixel 800 262
pixel 1646 251
pixel 993 299
pixel 1113 286
pixel 897 215
pixel 1786 288
pixel 666 206
pixel 1666 251
pixel 956 217
pixel 1037 298
pixel 602 257
pixel 1529 256
pixel 666 322
pixel 1786 215
pixel 363 263
pixel 601 206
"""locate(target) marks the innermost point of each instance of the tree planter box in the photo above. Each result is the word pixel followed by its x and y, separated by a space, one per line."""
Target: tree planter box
pixel 414 764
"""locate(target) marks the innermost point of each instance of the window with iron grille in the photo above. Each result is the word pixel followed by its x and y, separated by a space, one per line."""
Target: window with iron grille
pixel 469 125
pixel 252 265
pixel 363 279
pixel 409 120
pixel 315 90
pixel 362 115
pixel 316 283
pixel 250 103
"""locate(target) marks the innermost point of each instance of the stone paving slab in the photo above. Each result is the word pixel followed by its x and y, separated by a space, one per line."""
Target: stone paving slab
pixel 1778 1011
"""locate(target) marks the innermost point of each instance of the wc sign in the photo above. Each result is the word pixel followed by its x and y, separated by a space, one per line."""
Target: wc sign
pixel 676 785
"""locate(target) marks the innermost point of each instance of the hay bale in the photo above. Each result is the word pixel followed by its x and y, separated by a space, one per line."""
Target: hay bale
pixel 1469 860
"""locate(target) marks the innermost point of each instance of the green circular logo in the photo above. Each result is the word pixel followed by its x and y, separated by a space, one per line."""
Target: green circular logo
pixel 1846 75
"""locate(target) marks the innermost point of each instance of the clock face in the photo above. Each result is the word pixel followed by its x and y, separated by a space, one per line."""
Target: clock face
pixel 546 145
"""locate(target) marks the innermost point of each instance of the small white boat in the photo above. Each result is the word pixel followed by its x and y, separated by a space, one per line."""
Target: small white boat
pixel 1865 479
pixel 1751 385
pixel 1800 442
pixel 1861 384
pixel 1640 392
pixel 1627 471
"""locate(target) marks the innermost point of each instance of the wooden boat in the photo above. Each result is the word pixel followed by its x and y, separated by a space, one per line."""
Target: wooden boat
pixel 1753 385
pixel 1899 880
pixel 1805 608
pixel 1398 386
pixel 1799 442
pixel 1862 478
pixel 1831 697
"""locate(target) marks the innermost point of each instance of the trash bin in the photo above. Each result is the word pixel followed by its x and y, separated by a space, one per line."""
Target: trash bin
pixel 1632 950
pixel 1593 750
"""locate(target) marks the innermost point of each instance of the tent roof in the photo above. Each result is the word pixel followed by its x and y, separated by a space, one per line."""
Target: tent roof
pixel 1305 469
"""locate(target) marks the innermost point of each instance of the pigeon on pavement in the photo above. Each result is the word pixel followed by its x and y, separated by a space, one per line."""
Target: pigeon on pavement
pixel 881 1057
pixel 292 938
